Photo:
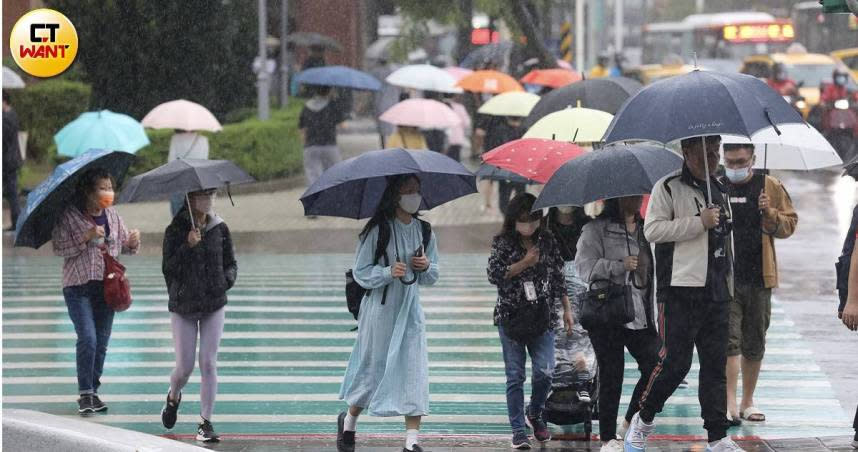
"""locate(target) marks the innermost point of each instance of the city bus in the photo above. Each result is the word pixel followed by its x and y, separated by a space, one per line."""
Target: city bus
pixel 722 36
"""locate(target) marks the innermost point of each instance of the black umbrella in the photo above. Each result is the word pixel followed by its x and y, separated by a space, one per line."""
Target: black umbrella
pixel 492 172
pixel 183 176
pixel 605 94
pixel 611 172
pixel 310 39
pixel 494 54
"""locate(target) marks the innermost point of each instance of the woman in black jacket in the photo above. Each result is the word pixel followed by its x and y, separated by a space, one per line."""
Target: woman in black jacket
pixel 199 267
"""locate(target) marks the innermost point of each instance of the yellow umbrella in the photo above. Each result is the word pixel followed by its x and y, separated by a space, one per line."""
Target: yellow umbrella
pixel 513 103
pixel 575 125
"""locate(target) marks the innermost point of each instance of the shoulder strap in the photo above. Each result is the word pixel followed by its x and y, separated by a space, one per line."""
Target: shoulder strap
pixel 381 243
pixel 426 229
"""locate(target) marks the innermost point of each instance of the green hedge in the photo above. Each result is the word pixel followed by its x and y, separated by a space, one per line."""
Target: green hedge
pixel 44 108
pixel 265 149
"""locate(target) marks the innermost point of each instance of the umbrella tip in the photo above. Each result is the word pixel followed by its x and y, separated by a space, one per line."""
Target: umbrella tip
pixel 579 103
pixel 694 55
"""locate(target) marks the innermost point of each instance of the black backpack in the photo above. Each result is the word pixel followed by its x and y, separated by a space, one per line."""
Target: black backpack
pixel 843 263
pixel 354 292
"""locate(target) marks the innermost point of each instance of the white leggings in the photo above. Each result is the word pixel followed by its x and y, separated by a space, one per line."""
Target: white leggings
pixel 185 329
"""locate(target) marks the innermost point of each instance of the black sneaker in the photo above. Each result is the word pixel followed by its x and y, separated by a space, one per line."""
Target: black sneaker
pixel 345 440
pixel 520 441
pixel 97 404
pixel 206 433
pixel 683 384
pixel 170 411
pixel 855 440
pixel 416 448
pixel 540 430
pixel 584 396
pixel 84 405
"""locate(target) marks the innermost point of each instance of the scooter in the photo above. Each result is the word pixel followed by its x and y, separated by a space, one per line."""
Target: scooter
pixel 840 127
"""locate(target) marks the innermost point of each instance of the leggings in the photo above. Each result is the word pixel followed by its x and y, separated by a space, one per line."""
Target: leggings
pixel 185 329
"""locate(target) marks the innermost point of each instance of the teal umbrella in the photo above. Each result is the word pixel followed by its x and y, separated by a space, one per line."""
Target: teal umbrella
pixel 101 130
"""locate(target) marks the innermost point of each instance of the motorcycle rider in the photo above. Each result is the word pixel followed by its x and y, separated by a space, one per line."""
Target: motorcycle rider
pixel 832 92
pixel 780 81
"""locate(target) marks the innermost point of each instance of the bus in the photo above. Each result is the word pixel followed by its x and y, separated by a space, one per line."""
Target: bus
pixel 721 36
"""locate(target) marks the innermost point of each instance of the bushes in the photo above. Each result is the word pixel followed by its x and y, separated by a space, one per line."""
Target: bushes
pixel 44 108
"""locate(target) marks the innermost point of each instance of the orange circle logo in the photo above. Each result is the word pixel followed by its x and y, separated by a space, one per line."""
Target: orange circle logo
pixel 43 43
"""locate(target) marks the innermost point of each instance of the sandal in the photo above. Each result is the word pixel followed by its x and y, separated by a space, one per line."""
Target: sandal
pixel 752 414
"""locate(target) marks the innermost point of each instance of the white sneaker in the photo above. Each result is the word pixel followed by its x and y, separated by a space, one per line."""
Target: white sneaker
pixel 637 434
pixel 584 397
pixel 613 445
pixel 725 445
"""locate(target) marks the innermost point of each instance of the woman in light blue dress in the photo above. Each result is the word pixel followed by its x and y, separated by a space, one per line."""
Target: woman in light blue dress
pixel 388 369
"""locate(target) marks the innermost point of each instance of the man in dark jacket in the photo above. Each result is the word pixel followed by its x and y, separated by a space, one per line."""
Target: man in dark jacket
pixel 199 267
pixel 11 160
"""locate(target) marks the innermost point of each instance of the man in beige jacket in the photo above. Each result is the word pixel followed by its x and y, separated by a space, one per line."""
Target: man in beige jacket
pixel 762 211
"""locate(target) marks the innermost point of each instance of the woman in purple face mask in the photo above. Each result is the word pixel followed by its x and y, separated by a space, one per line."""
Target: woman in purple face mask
pixel 526 265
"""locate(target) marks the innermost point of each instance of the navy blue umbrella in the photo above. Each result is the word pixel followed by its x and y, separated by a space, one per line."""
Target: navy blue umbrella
pixel 491 172
pixel 697 104
pixel 49 199
pixel 611 172
pixel 353 188
pixel 339 76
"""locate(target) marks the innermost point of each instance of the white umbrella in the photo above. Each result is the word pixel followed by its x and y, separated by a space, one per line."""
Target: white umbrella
pixel 424 77
pixel 798 147
pixel 181 114
pixel 11 79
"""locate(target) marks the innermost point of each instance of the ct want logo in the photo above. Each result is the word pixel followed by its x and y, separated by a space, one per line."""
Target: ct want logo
pixel 44 43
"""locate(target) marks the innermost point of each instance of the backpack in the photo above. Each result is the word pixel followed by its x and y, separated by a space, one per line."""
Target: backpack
pixel 843 262
pixel 354 292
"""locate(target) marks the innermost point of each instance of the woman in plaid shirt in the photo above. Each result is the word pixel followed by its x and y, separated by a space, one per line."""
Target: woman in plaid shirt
pixel 87 227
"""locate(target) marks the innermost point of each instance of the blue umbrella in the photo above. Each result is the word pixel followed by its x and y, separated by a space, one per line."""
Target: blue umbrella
pixel 339 76
pixel 611 172
pixel 353 188
pixel 697 104
pixel 101 130
pixel 49 199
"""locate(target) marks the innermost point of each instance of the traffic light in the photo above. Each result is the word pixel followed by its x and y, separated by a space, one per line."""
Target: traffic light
pixel 835 6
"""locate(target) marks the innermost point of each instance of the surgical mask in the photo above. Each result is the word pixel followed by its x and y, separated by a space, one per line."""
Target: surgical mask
pixel 840 80
pixel 566 210
pixel 410 203
pixel 737 175
pixel 105 199
pixel 204 204
pixel 527 229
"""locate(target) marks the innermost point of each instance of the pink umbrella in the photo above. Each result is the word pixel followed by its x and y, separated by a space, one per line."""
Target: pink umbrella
pixel 565 65
pixel 458 73
pixel 423 113
pixel 181 114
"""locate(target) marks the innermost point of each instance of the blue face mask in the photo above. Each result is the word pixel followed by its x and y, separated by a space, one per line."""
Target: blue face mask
pixel 737 175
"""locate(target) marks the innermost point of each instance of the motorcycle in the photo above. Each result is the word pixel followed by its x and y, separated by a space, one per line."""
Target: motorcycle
pixel 840 126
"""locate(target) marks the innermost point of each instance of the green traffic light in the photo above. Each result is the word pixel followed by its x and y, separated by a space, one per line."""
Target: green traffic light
pixel 834 6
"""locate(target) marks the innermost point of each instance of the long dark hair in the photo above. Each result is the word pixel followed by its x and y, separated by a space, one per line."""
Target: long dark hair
pixel 389 202
pixel 612 212
pixel 518 206
pixel 579 217
pixel 86 184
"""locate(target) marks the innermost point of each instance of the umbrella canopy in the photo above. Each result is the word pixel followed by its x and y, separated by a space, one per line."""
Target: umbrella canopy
pixel 533 158
pixel 552 78
pixel 308 39
pixel 101 130
pixel 606 94
pixel 575 125
pixel 183 176
pixel 611 172
pixel 183 115
pixel 11 79
pixel 700 103
pixel 490 54
pixel 493 82
pixel 339 76
pixel 491 172
pixel 353 188
pixel 798 147
pixel 47 202
pixel 423 113
pixel 424 77
pixel 458 72
pixel 513 103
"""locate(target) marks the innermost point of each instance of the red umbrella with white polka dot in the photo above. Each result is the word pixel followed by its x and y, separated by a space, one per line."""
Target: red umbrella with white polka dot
pixel 533 158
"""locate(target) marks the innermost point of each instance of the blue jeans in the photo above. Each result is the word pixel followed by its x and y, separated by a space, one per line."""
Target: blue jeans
pixel 542 362
pixel 92 320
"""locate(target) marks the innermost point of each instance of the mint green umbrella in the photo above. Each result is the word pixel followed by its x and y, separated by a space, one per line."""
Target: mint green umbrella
pixel 101 130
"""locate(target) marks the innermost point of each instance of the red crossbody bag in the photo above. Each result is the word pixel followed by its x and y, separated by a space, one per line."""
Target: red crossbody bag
pixel 117 288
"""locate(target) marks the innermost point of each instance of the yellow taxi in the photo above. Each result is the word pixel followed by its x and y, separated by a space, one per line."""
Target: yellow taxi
pixel 649 73
pixel 807 69
pixel 848 57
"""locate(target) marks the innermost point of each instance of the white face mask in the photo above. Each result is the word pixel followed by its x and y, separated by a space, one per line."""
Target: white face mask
pixel 410 203
pixel 566 210
pixel 204 204
pixel 527 229
pixel 737 175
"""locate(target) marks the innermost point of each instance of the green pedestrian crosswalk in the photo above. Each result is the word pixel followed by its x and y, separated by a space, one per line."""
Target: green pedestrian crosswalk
pixel 287 341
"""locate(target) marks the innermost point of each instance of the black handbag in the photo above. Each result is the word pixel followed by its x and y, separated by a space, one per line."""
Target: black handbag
pixel 527 321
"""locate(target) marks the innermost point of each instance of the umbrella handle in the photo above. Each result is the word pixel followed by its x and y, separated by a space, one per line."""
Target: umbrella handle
pixel 706 169
pixel 190 213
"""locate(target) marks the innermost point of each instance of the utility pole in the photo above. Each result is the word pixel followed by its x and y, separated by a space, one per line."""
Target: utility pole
pixel 700 4
pixel 284 55
pixel 618 25
pixel 579 36
pixel 263 80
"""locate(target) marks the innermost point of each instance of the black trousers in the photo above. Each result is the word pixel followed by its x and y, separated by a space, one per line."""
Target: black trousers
pixel 689 318
pixel 609 344
pixel 855 423
pixel 505 190
pixel 10 194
